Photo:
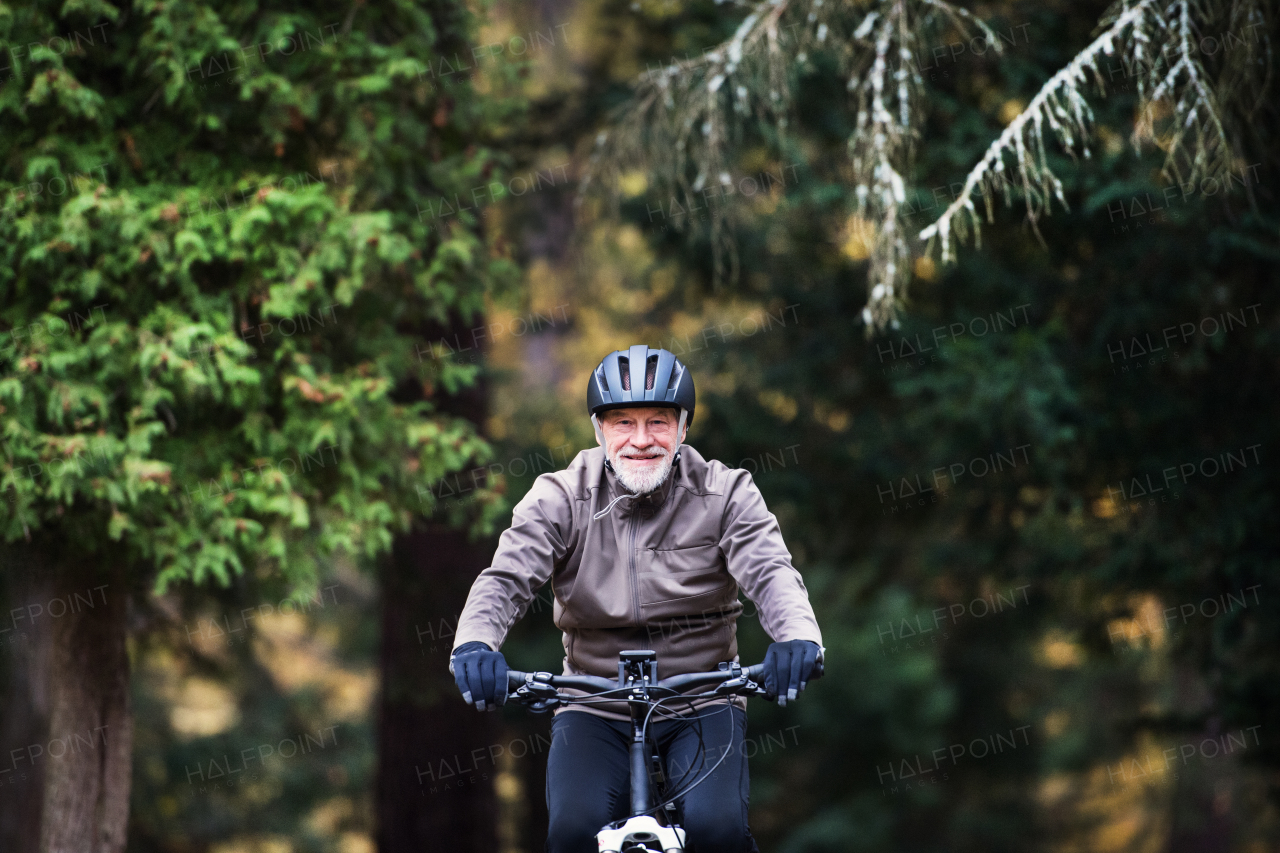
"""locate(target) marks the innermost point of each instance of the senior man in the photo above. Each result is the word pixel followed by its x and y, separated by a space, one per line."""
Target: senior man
pixel 646 545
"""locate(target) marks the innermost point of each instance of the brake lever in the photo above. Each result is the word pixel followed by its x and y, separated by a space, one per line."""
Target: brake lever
pixel 538 696
pixel 543 706
pixel 741 684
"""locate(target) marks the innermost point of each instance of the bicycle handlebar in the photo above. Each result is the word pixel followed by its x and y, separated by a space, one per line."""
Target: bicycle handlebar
pixel 544 687
pixel 596 684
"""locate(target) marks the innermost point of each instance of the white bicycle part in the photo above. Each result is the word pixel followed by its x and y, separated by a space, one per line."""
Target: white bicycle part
pixel 642 832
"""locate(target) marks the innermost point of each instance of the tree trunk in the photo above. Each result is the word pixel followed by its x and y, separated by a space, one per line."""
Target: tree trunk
pixel 433 792
pixel 87 757
pixel 533 774
pixel 25 651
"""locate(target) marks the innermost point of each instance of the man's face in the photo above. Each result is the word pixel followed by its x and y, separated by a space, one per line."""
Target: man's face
pixel 640 443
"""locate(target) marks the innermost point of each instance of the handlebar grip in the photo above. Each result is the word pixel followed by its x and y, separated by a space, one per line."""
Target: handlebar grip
pixel 514 679
pixel 756 673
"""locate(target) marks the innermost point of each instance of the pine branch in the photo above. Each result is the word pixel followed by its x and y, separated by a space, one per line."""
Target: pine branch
pixel 1058 104
pixel 1160 42
pixel 681 124
pixel 684 117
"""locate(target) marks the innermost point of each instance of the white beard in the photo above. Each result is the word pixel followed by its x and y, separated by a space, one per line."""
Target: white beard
pixel 642 481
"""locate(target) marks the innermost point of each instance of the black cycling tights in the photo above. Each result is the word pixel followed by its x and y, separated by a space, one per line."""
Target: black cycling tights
pixel 588 784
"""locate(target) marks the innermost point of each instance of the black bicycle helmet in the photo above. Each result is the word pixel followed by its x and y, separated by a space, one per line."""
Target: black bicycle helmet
pixel 640 376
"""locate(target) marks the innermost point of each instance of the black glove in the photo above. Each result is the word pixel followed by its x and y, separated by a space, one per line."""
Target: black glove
pixel 787 667
pixel 481 675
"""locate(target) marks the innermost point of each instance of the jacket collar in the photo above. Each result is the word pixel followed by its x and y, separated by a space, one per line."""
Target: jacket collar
pixel 651 501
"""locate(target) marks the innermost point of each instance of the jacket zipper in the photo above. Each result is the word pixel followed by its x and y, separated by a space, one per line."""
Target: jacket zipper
pixel 631 559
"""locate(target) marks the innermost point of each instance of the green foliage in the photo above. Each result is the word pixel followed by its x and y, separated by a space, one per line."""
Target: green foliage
pixel 1086 658
pixel 215 281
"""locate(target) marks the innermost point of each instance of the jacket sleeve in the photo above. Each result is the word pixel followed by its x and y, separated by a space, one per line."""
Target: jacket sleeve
pixel 759 561
pixel 527 553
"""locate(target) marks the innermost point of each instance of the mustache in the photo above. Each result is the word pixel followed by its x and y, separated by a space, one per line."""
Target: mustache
pixel 647 451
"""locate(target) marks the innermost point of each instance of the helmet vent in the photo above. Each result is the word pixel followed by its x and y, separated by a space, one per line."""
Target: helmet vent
pixel 651 370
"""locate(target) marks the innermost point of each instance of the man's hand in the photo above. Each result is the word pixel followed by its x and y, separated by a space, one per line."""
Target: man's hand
pixel 481 675
pixel 787 667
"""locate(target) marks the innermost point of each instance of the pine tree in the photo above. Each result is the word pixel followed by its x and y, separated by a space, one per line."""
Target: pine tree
pixel 215 266
pixel 684 118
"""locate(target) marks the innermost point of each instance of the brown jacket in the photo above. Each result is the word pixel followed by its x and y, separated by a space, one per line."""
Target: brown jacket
pixel 657 572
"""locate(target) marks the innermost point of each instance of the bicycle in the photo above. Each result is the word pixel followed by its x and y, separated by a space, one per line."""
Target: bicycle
pixel 651 825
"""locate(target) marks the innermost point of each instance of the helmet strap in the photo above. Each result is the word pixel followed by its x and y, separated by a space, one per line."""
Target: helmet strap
pixel 595 423
pixel 684 415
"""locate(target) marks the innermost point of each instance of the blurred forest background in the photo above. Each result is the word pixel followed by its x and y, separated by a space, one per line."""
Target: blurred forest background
pixel 1037 637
